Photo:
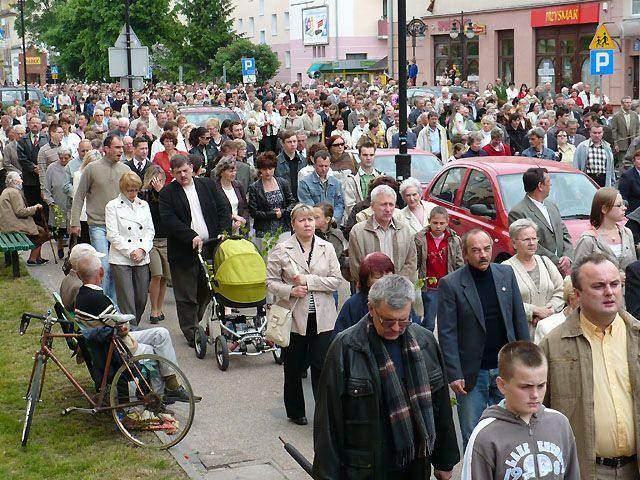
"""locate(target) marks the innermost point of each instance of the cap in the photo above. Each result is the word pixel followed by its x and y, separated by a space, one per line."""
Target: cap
pixel 82 249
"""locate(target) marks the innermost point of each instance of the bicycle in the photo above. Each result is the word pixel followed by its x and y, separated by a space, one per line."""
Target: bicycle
pixel 142 411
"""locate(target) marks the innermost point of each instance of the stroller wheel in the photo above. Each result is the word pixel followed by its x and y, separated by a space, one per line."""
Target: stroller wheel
pixel 222 352
pixel 200 342
pixel 277 355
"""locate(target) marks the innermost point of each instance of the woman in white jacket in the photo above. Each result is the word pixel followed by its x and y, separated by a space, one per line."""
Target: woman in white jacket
pixel 130 233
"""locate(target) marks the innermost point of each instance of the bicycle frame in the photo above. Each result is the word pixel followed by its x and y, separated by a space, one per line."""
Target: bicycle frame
pixel 97 403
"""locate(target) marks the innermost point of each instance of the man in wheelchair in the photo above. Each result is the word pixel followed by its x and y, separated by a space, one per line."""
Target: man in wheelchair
pixel 91 304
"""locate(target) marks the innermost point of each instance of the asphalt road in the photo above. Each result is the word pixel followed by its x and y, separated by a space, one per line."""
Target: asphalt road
pixel 241 414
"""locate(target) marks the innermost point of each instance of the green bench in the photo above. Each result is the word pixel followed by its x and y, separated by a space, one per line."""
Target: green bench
pixel 10 244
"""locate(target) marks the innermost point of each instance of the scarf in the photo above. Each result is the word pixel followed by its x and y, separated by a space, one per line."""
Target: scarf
pixel 407 416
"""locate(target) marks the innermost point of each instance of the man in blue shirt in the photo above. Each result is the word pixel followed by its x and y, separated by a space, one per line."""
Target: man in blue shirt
pixel 537 149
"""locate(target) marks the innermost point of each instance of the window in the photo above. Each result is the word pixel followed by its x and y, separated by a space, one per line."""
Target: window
pixel 478 191
pixel 446 187
pixel 356 56
pixel 274 24
pixel 251 27
pixel 635 7
pixel 447 53
pixel 505 56
pixel 261 7
pixel 286 20
pixel 263 36
pixel 319 51
pixel 287 59
pixel 239 26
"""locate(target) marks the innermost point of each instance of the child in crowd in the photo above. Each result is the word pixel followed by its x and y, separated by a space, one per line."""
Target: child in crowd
pixel 439 252
pixel 458 151
pixel 519 437
pixel 327 229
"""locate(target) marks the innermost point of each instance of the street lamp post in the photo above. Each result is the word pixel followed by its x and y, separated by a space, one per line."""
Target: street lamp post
pixel 458 26
pixel 24 50
pixel 403 159
pixel 416 28
pixel 127 36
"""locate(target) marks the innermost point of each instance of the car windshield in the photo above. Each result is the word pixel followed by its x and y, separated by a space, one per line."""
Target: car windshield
pixel 199 118
pixel 423 167
pixel 571 192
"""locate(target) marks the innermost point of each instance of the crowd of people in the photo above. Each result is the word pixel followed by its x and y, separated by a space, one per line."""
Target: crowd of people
pixel 143 190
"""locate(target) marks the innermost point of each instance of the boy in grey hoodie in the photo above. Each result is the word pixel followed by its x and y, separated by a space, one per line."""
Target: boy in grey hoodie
pixel 519 438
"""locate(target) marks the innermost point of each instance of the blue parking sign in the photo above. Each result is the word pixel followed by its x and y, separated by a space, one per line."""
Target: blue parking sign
pixel 601 62
pixel 248 66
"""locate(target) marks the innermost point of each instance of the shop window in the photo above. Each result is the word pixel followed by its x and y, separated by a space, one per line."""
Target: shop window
pixel 505 55
pixel 546 45
pixel 635 7
pixel 448 52
pixel 546 71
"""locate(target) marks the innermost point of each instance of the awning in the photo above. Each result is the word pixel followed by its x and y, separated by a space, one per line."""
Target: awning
pixel 629 28
pixel 314 68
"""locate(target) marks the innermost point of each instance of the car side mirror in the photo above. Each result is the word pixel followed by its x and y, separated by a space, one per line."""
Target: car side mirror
pixel 482 210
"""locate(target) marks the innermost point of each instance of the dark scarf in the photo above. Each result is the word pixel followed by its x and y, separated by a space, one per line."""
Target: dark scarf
pixel 407 416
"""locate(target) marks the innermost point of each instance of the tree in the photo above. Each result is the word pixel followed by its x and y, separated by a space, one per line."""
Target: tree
pixel 207 29
pixel 83 30
pixel 267 62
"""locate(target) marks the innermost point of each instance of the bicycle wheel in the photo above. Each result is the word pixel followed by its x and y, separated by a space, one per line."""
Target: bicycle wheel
pixel 33 395
pixel 144 411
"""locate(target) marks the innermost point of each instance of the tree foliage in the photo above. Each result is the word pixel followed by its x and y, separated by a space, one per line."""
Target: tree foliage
pixel 81 31
pixel 267 62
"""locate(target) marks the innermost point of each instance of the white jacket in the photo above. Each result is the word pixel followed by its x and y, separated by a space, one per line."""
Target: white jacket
pixel 129 227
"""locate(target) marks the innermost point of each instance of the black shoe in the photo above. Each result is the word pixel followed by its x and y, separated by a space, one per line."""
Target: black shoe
pixel 42 261
pixel 154 320
pixel 191 343
pixel 161 317
pixel 33 263
pixel 304 374
pixel 178 395
pixel 299 421
pixel 61 253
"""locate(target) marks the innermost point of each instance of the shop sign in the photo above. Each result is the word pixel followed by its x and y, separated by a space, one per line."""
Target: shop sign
pixel 565 15
pixel 444 26
pixel 34 60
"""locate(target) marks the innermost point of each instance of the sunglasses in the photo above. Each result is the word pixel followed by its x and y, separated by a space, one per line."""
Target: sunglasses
pixel 338 145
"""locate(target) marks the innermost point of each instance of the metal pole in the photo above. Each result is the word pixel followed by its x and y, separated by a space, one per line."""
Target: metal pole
pixel 390 34
pixel 127 36
pixel 24 51
pixel 403 160
pixel 462 47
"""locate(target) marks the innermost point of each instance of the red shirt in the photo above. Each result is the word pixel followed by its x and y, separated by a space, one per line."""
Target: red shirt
pixel 436 263
pixel 162 160
pixel 492 152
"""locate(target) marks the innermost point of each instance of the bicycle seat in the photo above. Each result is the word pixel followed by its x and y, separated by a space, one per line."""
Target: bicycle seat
pixel 119 317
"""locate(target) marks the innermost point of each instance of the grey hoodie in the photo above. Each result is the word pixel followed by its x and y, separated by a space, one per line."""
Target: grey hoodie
pixel 504 447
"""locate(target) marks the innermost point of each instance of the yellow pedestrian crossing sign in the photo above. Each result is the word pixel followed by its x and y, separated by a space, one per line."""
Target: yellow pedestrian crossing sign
pixel 602 40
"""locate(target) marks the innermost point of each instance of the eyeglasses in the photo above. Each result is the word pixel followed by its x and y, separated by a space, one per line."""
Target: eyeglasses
pixel 387 324
pixel 206 138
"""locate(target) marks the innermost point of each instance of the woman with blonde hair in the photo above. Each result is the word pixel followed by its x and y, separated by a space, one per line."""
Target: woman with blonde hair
pixel 130 233
pixel 302 274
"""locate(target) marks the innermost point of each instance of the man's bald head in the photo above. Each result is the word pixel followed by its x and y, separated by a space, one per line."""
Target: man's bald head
pixel 89 269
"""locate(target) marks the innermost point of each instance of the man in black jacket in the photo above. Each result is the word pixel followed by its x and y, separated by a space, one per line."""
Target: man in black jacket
pixel 193 211
pixel 28 148
pixel 479 311
pixel 387 426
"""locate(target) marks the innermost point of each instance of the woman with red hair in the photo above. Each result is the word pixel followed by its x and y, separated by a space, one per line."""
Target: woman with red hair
pixel 373 267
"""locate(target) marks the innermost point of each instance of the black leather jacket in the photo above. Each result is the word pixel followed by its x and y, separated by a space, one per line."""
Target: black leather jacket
pixel 351 440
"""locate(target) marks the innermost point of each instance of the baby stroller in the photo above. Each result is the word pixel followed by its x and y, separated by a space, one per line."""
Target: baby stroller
pixel 237 280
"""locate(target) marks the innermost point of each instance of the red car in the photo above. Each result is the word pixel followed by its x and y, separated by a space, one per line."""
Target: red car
pixel 479 192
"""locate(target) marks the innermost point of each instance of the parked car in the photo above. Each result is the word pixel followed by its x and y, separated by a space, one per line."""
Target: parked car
pixel 424 165
pixel 9 94
pixel 479 193
pixel 199 115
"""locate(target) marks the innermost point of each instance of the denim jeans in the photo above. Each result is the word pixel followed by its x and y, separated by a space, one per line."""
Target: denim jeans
pixel 471 405
pixel 98 236
pixel 430 302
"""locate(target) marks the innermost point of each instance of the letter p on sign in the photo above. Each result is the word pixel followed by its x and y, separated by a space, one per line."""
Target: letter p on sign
pixel 601 62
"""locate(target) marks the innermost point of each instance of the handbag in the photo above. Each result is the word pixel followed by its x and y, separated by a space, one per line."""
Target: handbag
pixel 279 321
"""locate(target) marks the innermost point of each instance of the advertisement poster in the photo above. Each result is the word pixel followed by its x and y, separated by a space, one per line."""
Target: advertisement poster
pixel 315 30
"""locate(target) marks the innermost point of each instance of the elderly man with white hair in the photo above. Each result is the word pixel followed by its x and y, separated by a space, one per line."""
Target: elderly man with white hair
pixel 71 283
pixel 123 127
pixel 382 233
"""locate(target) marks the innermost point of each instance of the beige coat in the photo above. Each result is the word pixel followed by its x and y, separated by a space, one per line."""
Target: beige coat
pixel 323 278
pixel 411 220
pixel 570 383
pixel 548 293
pixel 363 240
pixel 590 243
pixel 15 216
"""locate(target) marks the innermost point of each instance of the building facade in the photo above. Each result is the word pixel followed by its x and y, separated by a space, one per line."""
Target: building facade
pixel 346 37
pixel 527 41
